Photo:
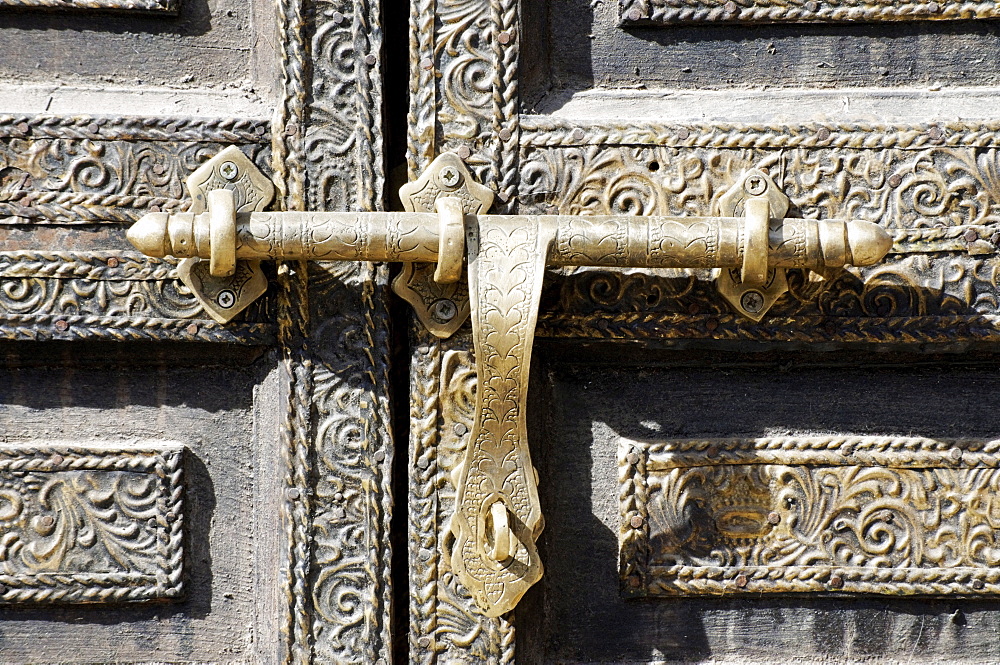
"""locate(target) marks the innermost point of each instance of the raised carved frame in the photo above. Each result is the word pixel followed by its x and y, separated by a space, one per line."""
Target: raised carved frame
pixel 936 181
pixel 324 149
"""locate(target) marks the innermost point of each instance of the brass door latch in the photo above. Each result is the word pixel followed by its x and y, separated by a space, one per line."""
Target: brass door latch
pixel 497 517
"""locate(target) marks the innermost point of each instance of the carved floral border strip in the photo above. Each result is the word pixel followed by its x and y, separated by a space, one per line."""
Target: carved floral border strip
pixel 651 12
pixel 89 524
pixel 847 514
pixel 463 98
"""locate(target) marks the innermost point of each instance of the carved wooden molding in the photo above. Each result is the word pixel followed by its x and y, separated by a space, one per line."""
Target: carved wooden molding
pixel 159 6
pixel 652 12
pixel 88 524
pixel 844 514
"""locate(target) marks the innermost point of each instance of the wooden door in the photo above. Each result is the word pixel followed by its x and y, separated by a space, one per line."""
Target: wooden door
pixel 815 487
pixel 173 489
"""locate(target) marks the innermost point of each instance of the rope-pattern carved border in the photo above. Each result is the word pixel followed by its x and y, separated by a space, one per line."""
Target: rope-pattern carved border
pixel 100 265
pixel 545 132
pixel 420 134
pixel 505 38
pixel 698 580
pixel 424 554
pixel 88 327
pixel 133 128
pixel 696 11
pixel 377 434
pixel 166 463
pixel 164 6
pixel 633 497
pixel 296 452
pixel 894 451
pixel 642 325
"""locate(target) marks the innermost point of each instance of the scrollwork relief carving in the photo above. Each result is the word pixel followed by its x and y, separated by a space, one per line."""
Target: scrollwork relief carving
pixel 890 515
pixel 89 524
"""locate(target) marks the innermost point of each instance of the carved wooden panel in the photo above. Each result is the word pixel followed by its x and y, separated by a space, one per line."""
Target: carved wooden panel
pixel 786 514
pixel 763 11
pixel 84 524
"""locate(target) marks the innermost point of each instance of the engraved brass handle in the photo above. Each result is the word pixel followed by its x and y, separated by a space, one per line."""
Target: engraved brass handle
pixel 497 515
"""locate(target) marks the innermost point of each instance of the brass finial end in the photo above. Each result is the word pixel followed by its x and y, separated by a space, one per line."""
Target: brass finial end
pixel 868 243
pixel 149 234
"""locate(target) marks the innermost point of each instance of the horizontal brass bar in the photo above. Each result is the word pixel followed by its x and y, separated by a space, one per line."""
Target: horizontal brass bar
pixel 623 241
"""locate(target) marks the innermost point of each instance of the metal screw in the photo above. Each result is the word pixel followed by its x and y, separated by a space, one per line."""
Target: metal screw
pixel 773 517
pixel 636 521
pixel 632 458
pixel 935 133
pixel 955 454
pixel 504 134
pixel 379 456
pixel 23 127
pixel 464 152
pixel 427 63
pixel 370 59
pixel 683 133
pixel 970 235
pixel 424 642
pixel 292 493
pixel 112 262
pixel 48 521
pixel 741 580
pixel 711 324
pixel 504 37
pixel 159 169
pixel 192 329
pixel 634 15
pixel 752 301
pixel 577 135
pixel 713 451
pixel 338 496
pixel 978 584
pixel 450 176
pixel 423 463
pixel 337 18
pixel 823 134
pixel 634 582
pixel 444 310
pixel 57 460
pixel 424 554
pixel 755 185
pixel 228 170
pixel 837 581
pixel 933 8
pixel 460 429
pixel 811 6
pixel 225 299
pixel 731 7
pixel 93 128
pixel 895 180
pixel 61 325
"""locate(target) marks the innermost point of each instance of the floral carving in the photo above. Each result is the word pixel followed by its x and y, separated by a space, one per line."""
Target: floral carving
pixel 855 514
pixel 90 524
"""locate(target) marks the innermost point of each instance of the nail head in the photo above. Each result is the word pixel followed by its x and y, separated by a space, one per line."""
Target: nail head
pixel 636 521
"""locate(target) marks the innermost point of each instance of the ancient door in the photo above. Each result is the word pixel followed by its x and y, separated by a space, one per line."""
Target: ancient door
pixel 815 486
pixel 175 489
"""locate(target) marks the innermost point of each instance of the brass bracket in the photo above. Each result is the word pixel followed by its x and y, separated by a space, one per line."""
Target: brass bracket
pixel 497 514
pixel 438 296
